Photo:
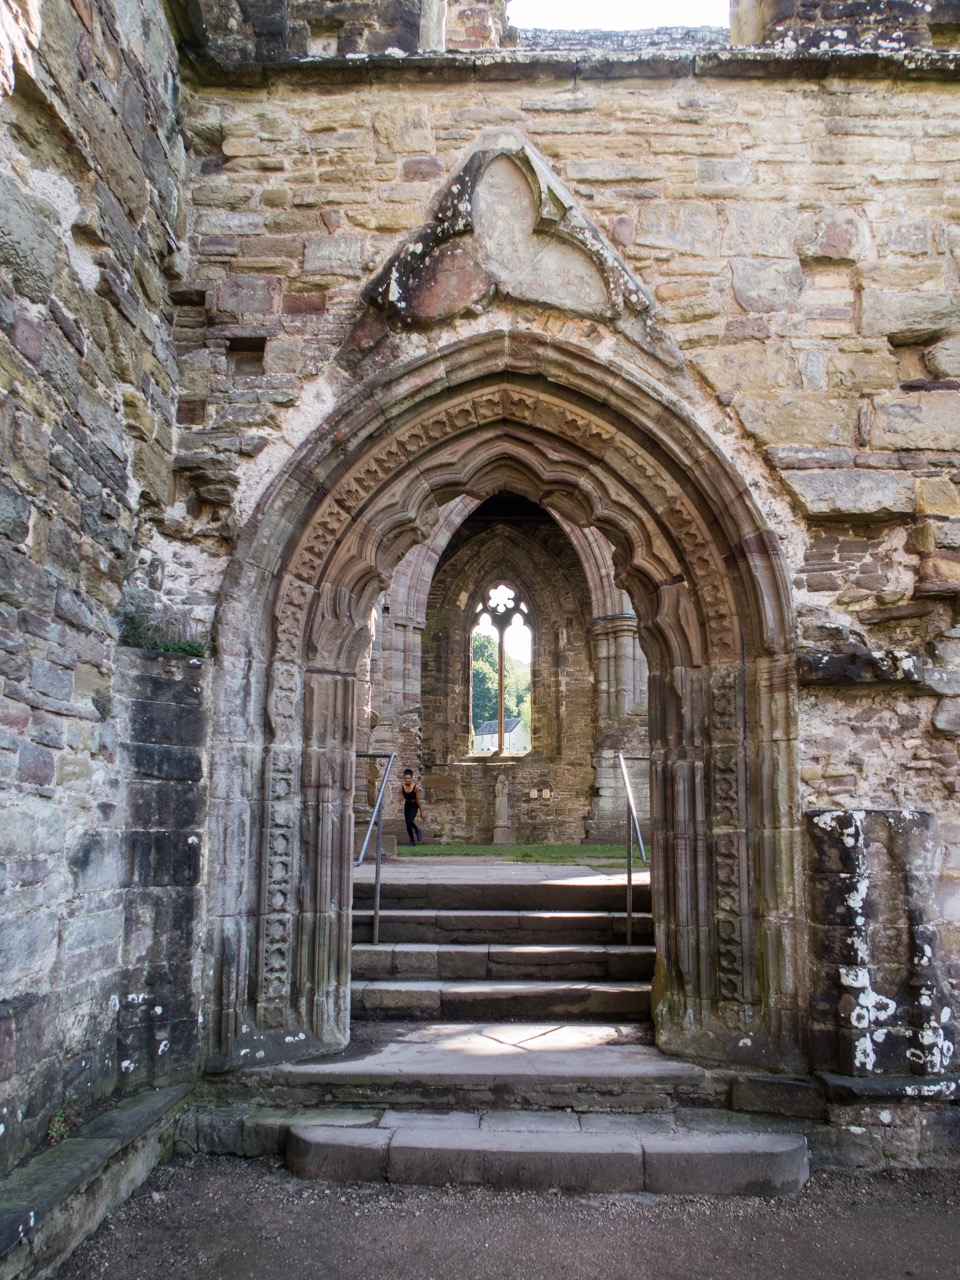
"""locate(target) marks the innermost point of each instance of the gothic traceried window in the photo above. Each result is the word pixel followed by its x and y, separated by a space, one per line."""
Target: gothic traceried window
pixel 500 650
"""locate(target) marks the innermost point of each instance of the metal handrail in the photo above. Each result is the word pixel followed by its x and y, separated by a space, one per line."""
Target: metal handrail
pixel 376 820
pixel 633 826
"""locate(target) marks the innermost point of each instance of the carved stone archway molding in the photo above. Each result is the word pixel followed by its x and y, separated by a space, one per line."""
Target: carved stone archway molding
pixel 707 581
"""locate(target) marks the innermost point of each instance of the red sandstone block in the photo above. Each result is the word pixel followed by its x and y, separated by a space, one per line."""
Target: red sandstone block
pixel 304 304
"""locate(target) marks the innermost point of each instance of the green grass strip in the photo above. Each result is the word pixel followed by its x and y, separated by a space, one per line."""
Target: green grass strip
pixel 562 854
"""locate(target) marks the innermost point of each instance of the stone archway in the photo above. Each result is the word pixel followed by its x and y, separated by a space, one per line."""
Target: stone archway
pixel 706 579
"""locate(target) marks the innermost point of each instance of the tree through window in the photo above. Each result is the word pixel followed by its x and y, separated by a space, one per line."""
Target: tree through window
pixel 500 647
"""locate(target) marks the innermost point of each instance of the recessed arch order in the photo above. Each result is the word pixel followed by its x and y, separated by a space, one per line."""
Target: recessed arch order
pixel 709 587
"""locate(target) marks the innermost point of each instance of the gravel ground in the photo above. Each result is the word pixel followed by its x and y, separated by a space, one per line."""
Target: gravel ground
pixel 221 1218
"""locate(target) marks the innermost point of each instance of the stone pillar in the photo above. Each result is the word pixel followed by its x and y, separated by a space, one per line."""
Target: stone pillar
pixel 323 972
pixel 621 685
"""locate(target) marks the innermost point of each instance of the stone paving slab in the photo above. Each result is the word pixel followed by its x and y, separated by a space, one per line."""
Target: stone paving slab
pixel 491 1050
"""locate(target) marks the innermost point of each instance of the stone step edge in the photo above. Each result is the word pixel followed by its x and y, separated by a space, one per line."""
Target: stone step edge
pixel 691 1163
pixel 83 1178
pixel 540 913
pixel 486 962
pixel 504 986
pixel 592 950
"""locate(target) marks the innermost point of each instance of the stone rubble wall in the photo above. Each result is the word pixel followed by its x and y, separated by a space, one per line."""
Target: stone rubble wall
pixel 92 212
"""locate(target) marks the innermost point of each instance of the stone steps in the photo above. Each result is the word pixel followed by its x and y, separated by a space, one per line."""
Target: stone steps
pixel 498 1065
pixel 584 928
pixel 501 999
pixel 491 962
pixel 506 942
pixel 494 891
pixel 584 1108
pixel 587 1154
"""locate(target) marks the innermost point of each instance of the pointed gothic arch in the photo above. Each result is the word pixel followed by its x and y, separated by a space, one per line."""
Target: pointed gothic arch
pixel 707 581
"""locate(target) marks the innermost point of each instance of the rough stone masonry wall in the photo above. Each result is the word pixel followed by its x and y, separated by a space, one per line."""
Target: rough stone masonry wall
pixel 798 232
pixel 91 211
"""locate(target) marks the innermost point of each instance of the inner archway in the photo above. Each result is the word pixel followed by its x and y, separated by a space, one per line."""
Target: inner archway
pixel 588 677
pixel 705 580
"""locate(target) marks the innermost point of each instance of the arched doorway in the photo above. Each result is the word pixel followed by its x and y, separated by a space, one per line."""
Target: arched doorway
pixel 706 580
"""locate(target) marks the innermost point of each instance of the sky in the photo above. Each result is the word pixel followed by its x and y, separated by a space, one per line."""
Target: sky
pixel 616 15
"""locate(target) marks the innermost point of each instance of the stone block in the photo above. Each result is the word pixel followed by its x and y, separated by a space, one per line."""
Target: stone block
pixel 29 245
pixel 779 1095
pixel 763 230
pixel 943 358
pixel 680 226
pixel 163 857
pixel 174 723
pixel 421 169
pixel 938 498
pixel 853 495
pixel 176 764
pixel 249 295
pixel 531 1160
pixel 907 317
pixel 916 420
pixel 832 235
pixel 818 421
pixel 330 1153
pixel 725 1165
pixel 338 255
pixel 946 717
pixel 14 514
pixel 767 284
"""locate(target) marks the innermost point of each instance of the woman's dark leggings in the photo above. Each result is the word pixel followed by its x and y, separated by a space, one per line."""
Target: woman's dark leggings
pixel 410 818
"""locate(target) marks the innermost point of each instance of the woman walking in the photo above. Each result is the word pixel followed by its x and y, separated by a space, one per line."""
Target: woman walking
pixel 412 803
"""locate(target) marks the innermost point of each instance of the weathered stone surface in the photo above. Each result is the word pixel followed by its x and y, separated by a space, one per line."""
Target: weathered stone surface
pixel 832 235
pixel 339 255
pixel 813 419
pixel 852 495
pixel 766 284
pixel 29 244
pixel 943 358
pixel 925 420
pixel 907 317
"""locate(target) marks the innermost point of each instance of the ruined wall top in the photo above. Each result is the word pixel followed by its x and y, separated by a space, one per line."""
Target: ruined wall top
pixel 883 25
pixel 276 32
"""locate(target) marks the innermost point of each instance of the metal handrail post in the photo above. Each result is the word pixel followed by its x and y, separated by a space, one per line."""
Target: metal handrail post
pixel 377 808
pixel 633 826
pixel 376 883
pixel 629 885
